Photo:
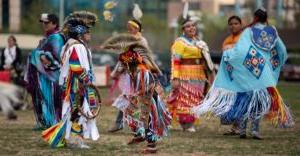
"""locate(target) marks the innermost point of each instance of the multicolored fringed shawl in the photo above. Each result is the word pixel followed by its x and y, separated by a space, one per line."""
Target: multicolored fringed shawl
pixel 42 81
pixel 245 86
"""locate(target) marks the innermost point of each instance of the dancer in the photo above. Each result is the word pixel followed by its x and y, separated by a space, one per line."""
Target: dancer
pixel 76 79
pixel 191 65
pixel 245 86
pixel 43 73
pixel 134 27
pixel 143 109
pixel 235 28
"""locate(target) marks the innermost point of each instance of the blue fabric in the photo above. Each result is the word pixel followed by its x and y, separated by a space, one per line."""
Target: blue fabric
pixel 51 48
pixel 44 80
pixel 254 62
pixel 78 29
pixel 47 102
pixel 238 110
pixel 240 78
pixel 254 126
pixel 264 37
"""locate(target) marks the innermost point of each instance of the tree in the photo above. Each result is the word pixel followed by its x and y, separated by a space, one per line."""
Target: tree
pixel 31 11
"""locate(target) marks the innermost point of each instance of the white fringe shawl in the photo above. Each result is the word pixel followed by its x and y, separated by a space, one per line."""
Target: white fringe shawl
pixel 220 101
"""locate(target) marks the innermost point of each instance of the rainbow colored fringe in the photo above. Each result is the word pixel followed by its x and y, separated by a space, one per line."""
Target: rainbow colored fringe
pixel 234 106
pixel 55 135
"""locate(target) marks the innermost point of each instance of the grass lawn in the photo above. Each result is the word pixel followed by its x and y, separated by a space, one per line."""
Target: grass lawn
pixel 18 138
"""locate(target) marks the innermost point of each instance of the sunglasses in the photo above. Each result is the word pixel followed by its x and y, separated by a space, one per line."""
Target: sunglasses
pixel 45 22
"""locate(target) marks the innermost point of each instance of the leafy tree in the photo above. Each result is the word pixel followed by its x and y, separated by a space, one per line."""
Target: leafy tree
pixel 31 11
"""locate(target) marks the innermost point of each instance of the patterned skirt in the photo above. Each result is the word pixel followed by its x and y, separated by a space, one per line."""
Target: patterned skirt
pixel 182 98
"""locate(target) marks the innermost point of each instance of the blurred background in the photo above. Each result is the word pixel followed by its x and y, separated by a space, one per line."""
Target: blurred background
pixel 160 23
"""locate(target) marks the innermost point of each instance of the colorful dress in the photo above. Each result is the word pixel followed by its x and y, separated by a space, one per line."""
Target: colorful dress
pixel 144 111
pixel 245 86
pixel 189 70
pixel 78 98
pixel 42 80
pixel 142 107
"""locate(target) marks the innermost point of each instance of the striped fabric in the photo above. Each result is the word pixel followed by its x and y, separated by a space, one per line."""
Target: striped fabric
pixel 76 68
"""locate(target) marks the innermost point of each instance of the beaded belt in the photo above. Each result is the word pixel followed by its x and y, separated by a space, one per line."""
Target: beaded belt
pixel 192 61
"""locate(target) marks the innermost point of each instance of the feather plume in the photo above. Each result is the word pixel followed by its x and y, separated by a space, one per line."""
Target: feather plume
pixel 110 5
pixel 185 10
pixel 137 12
pixel 108 16
pixel 85 18
pixel 120 43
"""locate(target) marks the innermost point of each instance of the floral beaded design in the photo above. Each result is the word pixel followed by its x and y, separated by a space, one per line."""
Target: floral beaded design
pixel 275 61
pixel 254 62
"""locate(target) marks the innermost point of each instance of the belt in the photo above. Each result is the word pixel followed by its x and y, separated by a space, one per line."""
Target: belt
pixel 192 61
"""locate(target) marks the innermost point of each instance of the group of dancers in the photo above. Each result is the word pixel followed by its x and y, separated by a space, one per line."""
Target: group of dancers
pixel 60 79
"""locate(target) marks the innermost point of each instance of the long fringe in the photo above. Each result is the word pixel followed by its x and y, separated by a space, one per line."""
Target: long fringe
pixel 55 135
pixel 233 106
pixel 160 117
pixel 217 100
pixel 279 113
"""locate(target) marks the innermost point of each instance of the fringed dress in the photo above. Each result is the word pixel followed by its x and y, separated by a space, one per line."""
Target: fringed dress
pixel 42 81
pixel 245 86
pixel 142 107
pixel 189 78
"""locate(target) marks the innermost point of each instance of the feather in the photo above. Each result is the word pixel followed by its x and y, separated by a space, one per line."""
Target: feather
pixel 86 17
pixel 108 16
pixel 120 43
pixel 110 5
pixel 185 10
pixel 137 12
pixel 79 17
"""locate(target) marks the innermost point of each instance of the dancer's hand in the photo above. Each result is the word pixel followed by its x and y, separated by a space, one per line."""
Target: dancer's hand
pixel 45 61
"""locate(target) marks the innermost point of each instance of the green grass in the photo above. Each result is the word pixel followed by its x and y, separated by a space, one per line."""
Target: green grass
pixel 18 138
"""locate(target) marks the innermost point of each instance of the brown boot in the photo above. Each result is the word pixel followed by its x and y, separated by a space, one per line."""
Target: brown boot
pixel 12 116
pixel 115 128
pixel 136 140
pixel 151 148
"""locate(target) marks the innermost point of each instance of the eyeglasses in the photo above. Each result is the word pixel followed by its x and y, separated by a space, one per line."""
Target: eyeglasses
pixel 45 22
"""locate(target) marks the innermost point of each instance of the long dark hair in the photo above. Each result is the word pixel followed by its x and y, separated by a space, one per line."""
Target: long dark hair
pixel 260 16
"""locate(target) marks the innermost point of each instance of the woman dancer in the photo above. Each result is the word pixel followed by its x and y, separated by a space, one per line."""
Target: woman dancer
pixel 190 64
pixel 245 86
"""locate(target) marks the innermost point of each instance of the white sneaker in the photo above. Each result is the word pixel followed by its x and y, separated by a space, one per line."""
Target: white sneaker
pixel 191 129
pixel 256 135
pixel 83 146
pixel 77 143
